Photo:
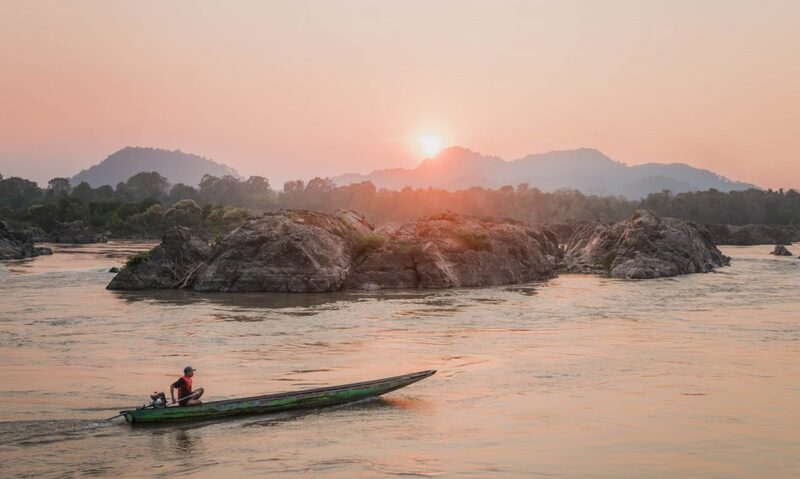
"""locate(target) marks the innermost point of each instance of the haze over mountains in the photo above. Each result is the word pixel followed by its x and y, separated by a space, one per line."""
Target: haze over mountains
pixel 454 168
pixel 587 170
pixel 175 165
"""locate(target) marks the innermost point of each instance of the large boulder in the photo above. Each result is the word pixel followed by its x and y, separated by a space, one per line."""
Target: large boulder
pixel 745 235
pixel 172 264
pixel 305 251
pixel 563 230
pixel 75 232
pixel 781 250
pixel 643 246
pixel 290 251
pixel 18 245
pixel 447 251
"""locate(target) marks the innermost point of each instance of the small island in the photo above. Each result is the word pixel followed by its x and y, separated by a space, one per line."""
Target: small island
pixel 303 251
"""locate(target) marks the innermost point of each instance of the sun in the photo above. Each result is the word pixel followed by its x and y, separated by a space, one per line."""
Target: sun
pixel 431 145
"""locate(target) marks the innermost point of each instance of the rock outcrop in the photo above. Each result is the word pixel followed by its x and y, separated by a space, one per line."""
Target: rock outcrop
pixel 745 235
pixel 447 251
pixel 643 246
pixel 781 250
pixel 172 264
pixel 305 251
pixel 291 251
pixel 564 230
pixel 76 232
pixel 18 245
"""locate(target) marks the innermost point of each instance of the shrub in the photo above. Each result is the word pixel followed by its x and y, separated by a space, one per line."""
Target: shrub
pixel 607 261
pixel 475 240
pixel 368 243
pixel 138 259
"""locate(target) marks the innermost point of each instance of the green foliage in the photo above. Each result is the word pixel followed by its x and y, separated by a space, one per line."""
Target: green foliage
pixel 608 261
pixel 139 258
pixel 184 213
pixel 17 193
pixel 58 187
pixel 475 240
pixel 410 249
pixel 146 185
pixel 444 216
pixel 220 204
pixel 368 243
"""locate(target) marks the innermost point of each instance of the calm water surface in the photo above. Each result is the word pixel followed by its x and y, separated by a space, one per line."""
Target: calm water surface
pixel 697 376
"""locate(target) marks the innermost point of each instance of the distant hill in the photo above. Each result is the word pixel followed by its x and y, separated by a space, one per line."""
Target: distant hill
pixel 585 169
pixel 176 166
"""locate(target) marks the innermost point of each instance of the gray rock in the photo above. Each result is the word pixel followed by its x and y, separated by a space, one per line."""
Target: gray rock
pixel 447 251
pixel 291 251
pixel 18 245
pixel 75 232
pixel 305 251
pixel 563 230
pixel 781 250
pixel 643 246
pixel 113 269
pixel 172 264
pixel 36 233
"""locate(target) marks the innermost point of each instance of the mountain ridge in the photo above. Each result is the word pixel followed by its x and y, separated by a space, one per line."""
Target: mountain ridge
pixel 584 169
pixel 175 165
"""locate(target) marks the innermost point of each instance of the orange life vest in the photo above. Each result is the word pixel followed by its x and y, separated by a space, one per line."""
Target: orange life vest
pixel 184 386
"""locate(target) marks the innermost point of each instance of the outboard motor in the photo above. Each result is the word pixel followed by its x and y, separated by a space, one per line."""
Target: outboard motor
pixel 159 399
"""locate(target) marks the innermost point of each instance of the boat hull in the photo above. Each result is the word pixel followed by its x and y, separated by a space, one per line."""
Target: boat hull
pixel 272 403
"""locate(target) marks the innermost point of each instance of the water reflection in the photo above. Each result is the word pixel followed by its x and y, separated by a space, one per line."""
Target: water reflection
pixel 236 306
pixel 179 442
pixel 237 300
pixel 184 442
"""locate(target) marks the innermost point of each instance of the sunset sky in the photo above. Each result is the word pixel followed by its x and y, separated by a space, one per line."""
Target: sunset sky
pixel 300 89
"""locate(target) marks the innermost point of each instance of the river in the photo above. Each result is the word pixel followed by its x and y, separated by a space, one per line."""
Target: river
pixel 580 376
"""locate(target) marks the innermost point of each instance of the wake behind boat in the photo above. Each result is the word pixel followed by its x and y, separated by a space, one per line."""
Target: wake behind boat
pixel 277 402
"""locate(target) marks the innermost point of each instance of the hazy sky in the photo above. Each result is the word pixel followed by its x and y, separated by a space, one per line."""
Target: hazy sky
pixel 300 89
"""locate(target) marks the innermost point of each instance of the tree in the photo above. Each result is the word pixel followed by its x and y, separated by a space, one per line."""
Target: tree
pixel 317 194
pixel 182 192
pixel 147 185
pixel 184 213
pixel 44 215
pixel 218 191
pixel 104 193
pixel 83 192
pixel 151 222
pixel 294 186
pixel 17 193
pixel 58 187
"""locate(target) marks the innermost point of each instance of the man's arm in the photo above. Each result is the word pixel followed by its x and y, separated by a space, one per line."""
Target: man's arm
pixel 172 388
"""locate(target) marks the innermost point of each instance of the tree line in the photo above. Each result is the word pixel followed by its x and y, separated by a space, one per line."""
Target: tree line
pixel 145 204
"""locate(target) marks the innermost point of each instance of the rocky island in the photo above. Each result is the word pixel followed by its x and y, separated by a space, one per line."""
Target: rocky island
pixel 18 245
pixel 643 246
pixel 447 251
pixel 305 251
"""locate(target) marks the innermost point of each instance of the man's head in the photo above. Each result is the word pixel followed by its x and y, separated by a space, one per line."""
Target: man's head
pixel 188 371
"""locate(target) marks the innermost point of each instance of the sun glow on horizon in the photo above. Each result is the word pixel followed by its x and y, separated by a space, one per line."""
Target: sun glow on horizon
pixel 431 145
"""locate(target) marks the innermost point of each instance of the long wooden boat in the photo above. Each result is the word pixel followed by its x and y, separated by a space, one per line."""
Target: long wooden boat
pixel 278 402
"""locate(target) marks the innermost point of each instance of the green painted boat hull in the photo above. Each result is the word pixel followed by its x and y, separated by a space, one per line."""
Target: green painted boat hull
pixel 272 403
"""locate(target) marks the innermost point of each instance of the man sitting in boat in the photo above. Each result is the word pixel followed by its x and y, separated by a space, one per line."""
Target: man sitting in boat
pixel 184 386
